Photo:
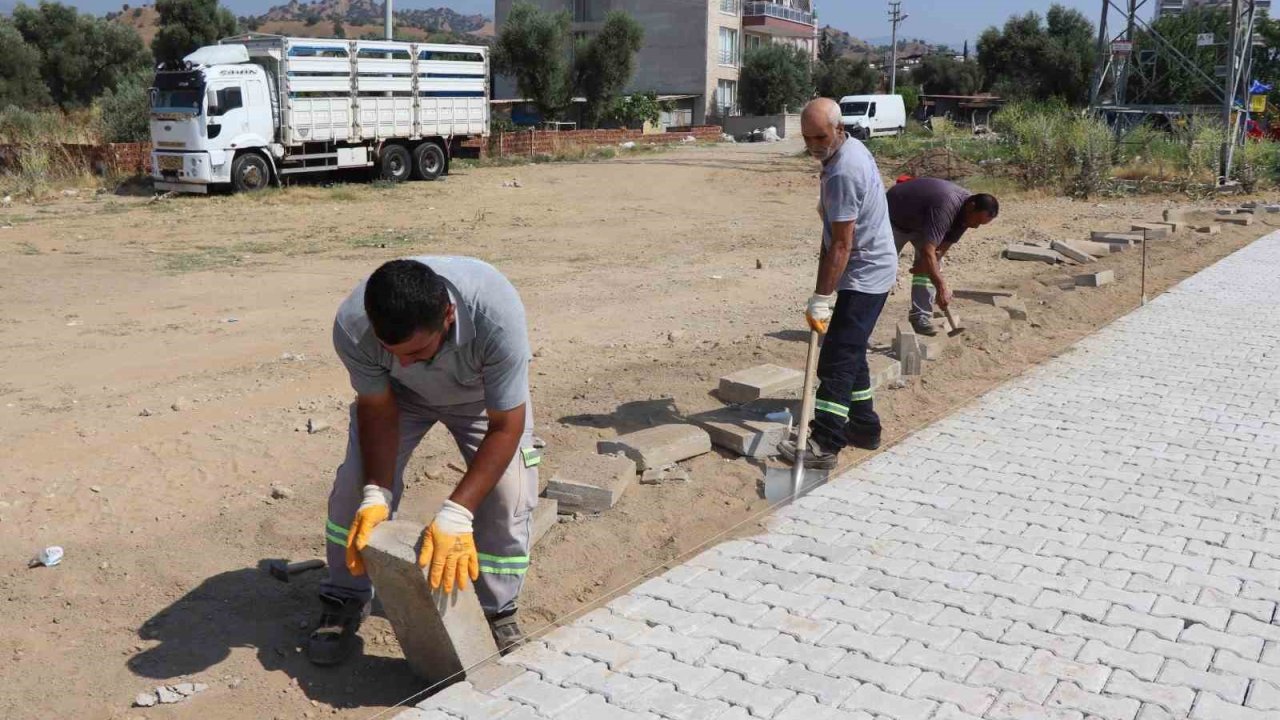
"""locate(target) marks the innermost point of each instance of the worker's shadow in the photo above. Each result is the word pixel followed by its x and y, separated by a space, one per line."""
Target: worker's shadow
pixel 632 416
pixel 246 608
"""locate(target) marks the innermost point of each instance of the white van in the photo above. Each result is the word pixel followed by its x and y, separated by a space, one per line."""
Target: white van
pixel 867 116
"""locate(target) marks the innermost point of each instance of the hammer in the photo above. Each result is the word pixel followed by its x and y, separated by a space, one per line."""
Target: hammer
pixel 282 569
pixel 955 329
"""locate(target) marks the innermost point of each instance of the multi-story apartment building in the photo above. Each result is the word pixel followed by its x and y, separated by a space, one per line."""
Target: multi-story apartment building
pixel 1174 7
pixel 692 48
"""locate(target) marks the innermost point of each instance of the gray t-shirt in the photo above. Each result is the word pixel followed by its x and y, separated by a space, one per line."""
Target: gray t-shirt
pixel 485 358
pixel 852 191
pixel 928 209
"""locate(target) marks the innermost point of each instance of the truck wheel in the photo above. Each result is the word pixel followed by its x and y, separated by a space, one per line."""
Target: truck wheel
pixel 428 161
pixel 250 173
pixel 395 165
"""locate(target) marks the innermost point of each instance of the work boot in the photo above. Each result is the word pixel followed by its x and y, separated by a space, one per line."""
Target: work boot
pixel 334 638
pixel 923 326
pixel 506 632
pixel 815 457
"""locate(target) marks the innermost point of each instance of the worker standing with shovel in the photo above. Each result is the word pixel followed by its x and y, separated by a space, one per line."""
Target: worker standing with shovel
pixel 856 269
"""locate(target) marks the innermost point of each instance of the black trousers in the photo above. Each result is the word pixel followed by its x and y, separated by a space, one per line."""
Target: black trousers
pixel 844 408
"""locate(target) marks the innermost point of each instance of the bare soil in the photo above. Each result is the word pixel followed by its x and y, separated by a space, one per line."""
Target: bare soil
pixel 642 286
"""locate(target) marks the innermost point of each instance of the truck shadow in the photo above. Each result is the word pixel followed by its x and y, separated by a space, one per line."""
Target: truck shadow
pixel 246 608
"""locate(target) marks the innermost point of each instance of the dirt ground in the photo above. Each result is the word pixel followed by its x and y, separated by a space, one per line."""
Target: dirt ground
pixel 642 286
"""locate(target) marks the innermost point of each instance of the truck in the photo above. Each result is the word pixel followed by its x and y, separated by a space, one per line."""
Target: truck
pixel 867 116
pixel 252 109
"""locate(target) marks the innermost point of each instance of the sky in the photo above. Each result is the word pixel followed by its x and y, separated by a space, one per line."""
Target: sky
pixel 943 21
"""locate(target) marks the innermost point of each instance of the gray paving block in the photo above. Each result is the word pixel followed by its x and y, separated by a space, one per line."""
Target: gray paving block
pixel 1179 214
pixel 1210 229
pixel 1099 249
pixel 884 370
pixel 742 430
pixel 1016 308
pixel 659 446
pixel 589 482
pixel 1154 231
pixel 439 634
pixel 759 382
pixel 1098 279
pixel 544 516
pixel 1237 220
pixel 981 295
pixel 1070 251
pixel 907 348
pixel 1031 252
pixel 1131 238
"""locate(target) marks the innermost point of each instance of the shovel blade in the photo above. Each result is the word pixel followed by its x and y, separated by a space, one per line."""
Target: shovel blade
pixel 779 483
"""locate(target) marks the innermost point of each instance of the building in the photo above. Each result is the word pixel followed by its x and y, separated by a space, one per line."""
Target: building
pixel 1174 7
pixel 692 48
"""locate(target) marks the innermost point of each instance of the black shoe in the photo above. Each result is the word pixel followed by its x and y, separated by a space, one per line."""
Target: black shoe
pixel 923 326
pixel 815 457
pixel 506 632
pixel 334 638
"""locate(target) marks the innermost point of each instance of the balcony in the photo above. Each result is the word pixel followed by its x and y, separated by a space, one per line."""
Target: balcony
pixel 773 18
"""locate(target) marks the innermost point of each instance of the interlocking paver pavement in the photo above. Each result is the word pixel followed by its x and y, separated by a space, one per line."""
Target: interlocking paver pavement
pixel 1098 539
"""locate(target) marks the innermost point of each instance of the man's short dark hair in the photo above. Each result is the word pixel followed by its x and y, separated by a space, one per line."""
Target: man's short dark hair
pixel 983 202
pixel 403 297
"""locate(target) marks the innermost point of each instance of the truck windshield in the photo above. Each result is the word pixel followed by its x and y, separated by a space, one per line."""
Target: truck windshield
pixel 856 109
pixel 178 92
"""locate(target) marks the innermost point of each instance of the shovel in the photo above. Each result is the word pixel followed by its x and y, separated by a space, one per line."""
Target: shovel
pixel 782 483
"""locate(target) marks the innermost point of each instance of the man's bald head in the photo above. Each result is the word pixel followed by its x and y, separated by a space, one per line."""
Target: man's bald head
pixel 822 127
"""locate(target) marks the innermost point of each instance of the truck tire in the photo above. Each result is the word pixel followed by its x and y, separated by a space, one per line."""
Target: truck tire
pixel 395 164
pixel 250 173
pixel 428 161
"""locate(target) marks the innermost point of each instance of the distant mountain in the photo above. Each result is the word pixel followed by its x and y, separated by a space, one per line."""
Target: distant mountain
pixel 325 18
pixel 875 49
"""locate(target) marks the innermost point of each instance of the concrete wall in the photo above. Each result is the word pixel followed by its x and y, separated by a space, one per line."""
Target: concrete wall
pixel 788 125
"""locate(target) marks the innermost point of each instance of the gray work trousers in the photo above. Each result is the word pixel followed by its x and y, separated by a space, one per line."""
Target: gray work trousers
pixel 502 522
pixel 922 290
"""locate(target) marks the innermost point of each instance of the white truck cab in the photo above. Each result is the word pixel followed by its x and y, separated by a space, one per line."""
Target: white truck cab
pixel 252 109
pixel 867 116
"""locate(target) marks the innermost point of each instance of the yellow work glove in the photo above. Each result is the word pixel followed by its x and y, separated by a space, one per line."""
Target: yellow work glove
pixel 819 311
pixel 449 547
pixel 375 508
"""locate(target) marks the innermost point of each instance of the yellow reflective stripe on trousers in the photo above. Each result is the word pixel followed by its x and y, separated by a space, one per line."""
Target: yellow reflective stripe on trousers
pixel 921 280
pixel 862 395
pixel 502 570
pixel 335 533
pixel 504 560
pixel 832 408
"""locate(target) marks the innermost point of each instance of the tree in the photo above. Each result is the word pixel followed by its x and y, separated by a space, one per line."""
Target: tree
pixel 845 76
pixel 126 109
pixel 638 108
pixel 531 48
pixel 944 75
pixel 775 78
pixel 910 97
pixel 827 48
pixel 189 24
pixel 605 63
pixel 1034 60
pixel 80 55
pixel 1167 80
pixel 20 81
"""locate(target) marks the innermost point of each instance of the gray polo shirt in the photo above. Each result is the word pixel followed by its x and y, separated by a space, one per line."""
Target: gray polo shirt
pixel 852 191
pixel 928 210
pixel 485 358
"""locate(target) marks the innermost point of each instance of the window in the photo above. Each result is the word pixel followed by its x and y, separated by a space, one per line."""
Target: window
pixel 728 46
pixel 226 100
pixel 730 7
pixel 449 56
pixel 753 42
pixel 871 112
pixel 383 54
pixel 320 52
pixel 726 97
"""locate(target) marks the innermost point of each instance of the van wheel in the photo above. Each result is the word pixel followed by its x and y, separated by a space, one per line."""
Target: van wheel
pixel 428 161
pixel 250 173
pixel 395 163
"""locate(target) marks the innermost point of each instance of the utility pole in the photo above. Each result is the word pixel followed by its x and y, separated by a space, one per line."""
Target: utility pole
pixel 387 22
pixel 1230 87
pixel 895 17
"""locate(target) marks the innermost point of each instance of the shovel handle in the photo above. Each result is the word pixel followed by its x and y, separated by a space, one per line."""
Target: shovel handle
pixel 807 401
